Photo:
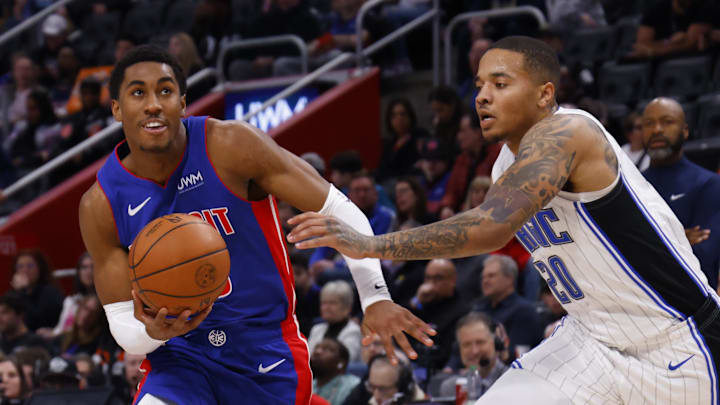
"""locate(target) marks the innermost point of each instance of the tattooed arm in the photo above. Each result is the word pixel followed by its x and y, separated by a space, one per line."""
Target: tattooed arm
pixel 547 155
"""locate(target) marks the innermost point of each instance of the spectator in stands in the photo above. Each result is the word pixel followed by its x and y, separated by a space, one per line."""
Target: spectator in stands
pixel 13 95
pixel 84 285
pixel 691 191
pixel 570 15
pixel 504 305
pixel 315 160
pixel 123 44
pixel 446 110
pixel 401 149
pixel 674 26
pixel 479 347
pixel 307 292
pixel 90 373
pixel 328 362
pixel 411 204
pixel 31 360
pixel 132 375
pixel 294 17
pixel 435 163
pixel 398 15
pixel 437 302
pixel 391 383
pixel 343 166
pixel 61 374
pixel 476 192
pixel 633 130
pixel 551 311
pixel 336 303
pixel 32 280
pixel 183 48
pixel 364 194
pixel 68 68
pixel 33 142
pixel 55 30
pixel 476 159
pixel 89 331
pixel 13 331
pixel 14 388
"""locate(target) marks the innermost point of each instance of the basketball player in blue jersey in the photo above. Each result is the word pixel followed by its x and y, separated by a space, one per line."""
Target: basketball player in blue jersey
pixel 643 325
pixel 246 348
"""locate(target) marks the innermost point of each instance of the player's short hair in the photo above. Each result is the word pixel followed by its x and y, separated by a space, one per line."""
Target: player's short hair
pixel 145 53
pixel 340 289
pixel 540 60
pixel 507 265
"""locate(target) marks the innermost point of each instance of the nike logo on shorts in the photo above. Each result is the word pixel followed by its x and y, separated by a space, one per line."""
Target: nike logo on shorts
pixel 672 367
pixel 132 211
pixel 674 197
pixel 264 370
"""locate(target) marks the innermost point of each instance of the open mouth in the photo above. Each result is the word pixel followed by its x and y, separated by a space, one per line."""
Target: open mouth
pixel 154 126
pixel 486 120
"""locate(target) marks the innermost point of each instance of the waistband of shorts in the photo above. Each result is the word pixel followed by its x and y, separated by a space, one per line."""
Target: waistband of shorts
pixel 707 314
pixel 249 332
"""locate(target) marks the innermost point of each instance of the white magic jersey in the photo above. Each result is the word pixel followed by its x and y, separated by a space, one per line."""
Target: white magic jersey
pixel 617 259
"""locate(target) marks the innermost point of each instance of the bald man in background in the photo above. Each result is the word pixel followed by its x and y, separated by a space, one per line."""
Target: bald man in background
pixel 692 192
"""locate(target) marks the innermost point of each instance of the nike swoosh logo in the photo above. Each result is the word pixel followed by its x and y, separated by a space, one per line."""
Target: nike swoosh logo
pixel 378 286
pixel 269 368
pixel 672 367
pixel 674 197
pixel 132 211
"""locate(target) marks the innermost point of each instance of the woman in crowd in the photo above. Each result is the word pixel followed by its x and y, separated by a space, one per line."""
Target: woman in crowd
pixel 32 280
pixel 13 386
pixel 89 331
pixel 401 149
pixel 411 204
pixel 336 302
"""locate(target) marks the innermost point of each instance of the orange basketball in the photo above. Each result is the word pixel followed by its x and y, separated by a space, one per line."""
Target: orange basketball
pixel 180 262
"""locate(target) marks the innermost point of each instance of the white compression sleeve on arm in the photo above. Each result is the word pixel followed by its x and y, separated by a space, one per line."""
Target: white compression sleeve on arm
pixel 127 330
pixel 366 272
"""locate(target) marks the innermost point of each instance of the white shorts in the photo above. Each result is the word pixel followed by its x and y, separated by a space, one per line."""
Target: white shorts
pixel 675 369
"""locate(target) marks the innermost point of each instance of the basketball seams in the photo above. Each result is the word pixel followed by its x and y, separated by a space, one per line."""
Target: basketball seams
pixel 132 266
pixel 222 284
pixel 178 264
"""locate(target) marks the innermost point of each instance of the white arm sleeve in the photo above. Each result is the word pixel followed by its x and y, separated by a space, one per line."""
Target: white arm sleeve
pixel 127 330
pixel 366 272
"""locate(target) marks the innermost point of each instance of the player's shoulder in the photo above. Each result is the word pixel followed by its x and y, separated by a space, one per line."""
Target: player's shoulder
pixel 94 210
pixel 235 137
pixel 92 198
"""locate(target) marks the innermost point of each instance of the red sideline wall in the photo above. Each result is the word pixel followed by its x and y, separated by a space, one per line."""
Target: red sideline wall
pixel 345 117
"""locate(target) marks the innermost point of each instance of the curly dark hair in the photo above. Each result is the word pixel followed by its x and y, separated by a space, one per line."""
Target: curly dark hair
pixel 145 53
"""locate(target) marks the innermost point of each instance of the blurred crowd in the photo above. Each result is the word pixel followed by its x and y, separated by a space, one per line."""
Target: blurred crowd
pixel 488 310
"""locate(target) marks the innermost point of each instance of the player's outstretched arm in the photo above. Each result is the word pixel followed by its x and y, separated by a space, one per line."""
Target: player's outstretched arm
pixel 135 331
pixel 546 157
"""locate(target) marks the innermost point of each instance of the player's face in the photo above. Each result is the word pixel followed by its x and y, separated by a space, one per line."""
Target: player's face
pixel 476 343
pixel 664 129
pixel 508 99
pixel 150 107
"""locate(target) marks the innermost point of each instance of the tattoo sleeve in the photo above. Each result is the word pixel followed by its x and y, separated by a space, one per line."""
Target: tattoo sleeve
pixel 542 167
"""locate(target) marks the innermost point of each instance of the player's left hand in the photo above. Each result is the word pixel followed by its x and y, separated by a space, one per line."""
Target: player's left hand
pixel 389 320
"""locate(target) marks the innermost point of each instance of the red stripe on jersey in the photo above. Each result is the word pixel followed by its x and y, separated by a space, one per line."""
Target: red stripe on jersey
pixel 145 367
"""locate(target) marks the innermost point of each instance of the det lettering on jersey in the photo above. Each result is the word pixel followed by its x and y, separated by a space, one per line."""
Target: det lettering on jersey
pixel 217 217
pixel 538 232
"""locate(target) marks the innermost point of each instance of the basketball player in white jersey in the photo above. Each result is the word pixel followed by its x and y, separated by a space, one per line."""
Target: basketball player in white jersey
pixel 643 326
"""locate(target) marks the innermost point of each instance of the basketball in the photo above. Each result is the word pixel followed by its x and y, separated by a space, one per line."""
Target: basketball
pixel 180 262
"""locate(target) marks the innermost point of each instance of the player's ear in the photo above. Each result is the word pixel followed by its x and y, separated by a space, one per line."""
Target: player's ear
pixel 116 111
pixel 183 103
pixel 546 97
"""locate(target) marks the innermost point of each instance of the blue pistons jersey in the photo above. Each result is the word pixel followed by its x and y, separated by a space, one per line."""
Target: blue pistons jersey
pixel 258 301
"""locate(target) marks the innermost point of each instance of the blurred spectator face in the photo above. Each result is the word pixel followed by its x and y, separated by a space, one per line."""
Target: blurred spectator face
pixel 405 197
pixel 89 98
pixel 442 113
pixel 440 274
pixel 133 375
pixel 373 349
pixel 10 386
pixel 84 368
pixel 664 128
pixel 86 272
pixel 363 193
pixel 340 179
pixel 302 277
pixel 382 381
pixel 467 137
pixel 67 61
pixel 552 303
pixel 433 169
pixel 325 359
pixel 478 49
pixel 494 282
pixel 332 309
pixel 88 312
pixel 477 195
pixel 635 134
pixel 34 115
pixel 122 47
pixel 476 343
pixel 175 47
pixel 400 119
pixel 26 264
pixel 23 72
pixel 9 320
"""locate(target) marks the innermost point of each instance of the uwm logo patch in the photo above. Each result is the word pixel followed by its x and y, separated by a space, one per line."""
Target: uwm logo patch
pixel 217 217
pixel 190 182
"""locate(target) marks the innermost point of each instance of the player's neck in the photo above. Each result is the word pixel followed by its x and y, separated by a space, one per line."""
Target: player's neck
pixel 513 141
pixel 158 166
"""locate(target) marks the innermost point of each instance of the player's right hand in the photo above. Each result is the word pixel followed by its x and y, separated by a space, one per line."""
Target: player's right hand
pixel 160 327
